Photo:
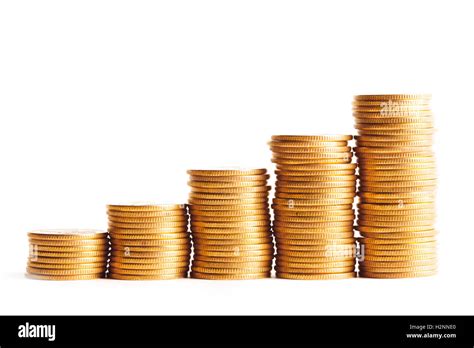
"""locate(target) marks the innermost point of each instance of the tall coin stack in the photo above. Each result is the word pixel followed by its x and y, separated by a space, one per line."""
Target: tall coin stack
pixel 397 186
pixel 314 217
pixel 230 224
pixel 67 254
pixel 149 242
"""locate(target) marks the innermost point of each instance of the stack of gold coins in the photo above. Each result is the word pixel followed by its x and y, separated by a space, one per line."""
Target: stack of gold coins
pixel 397 186
pixel 67 254
pixel 149 242
pixel 315 190
pixel 230 224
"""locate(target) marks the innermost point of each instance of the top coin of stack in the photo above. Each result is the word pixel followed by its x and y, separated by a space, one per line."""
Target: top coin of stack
pixel 67 254
pixel 315 190
pixel 149 242
pixel 230 224
pixel 397 185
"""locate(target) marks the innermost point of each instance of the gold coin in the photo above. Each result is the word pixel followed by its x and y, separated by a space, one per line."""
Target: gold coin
pixel 311 155
pixel 151 254
pixel 241 265
pixel 238 252
pixel 314 219
pixel 348 213
pixel 148 277
pixel 325 178
pixel 223 202
pixel 393 139
pixel 394 224
pixel 307 254
pixel 237 259
pixel 315 196
pixel 325 138
pixel 215 196
pixel 397 132
pixel 66 260
pixel 366 274
pixel 230 214
pixel 70 243
pixel 314 239
pixel 67 234
pixel 374 180
pixel 150 242
pixel 236 247
pixel 308 144
pixel 397 264
pixel 231 230
pixel 322 259
pixel 309 149
pixel 397 190
pixel 314 184
pixel 147 220
pixel 255 242
pixel 397 212
pixel 35 265
pixel 317 265
pixel 325 270
pixel 312 202
pixel 142 231
pixel 230 219
pixel 312 231
pixel 200 186
pixel 425 268
pixel 410 246
pixel 305 162
pixel 148 266
pixel 297 276
pixel 403 258
pixel 156 225
pixel 147 214
pixel 171 237
pixel 229 172
pixel 397 240
pixel 232 191
pixel 289 207
pixel 397 97
pixel 239 270
pixel 80 254
pixel 150 260
pixel 66 277
pixel 406 235
pixel 313 224
pixel 231 179
pixel 411 217
pixel 65 272
pixel 243 276
pixel 414 200
pixel 34 248
pixel 312 248
pixel 234 236
pixel 198 209
pixel 399 252
pixel 396 144
pixel 149 272
pixel 306 173
pixel 145 207
pixel 382 175
pixel 237 224
pixel 160 238
pixel 131 249
pixel 319 167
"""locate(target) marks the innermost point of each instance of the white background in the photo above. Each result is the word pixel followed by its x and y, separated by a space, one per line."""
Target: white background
pixel 104 101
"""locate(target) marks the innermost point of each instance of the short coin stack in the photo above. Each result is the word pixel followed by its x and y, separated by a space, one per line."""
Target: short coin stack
pixel 67 254
pixel 397 186
pixel 315 190
pixel 230 224
pixel 149 242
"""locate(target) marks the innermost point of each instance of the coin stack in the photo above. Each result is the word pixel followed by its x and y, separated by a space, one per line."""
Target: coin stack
pixel 397 186
pixel 67 254
pixel 149 242
pixel 230 224
pixel 313 222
